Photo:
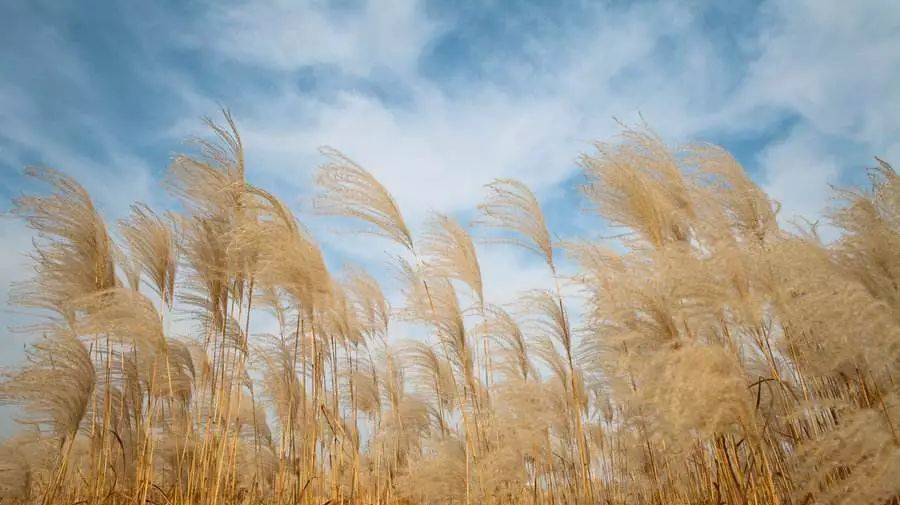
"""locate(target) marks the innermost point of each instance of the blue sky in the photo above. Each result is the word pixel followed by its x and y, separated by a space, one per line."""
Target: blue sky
pixel 438 98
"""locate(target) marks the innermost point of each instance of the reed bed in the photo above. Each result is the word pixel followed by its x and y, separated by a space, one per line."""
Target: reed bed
pixel 719 358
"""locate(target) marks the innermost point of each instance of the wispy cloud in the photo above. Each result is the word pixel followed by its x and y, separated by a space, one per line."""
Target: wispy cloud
pixel 287 36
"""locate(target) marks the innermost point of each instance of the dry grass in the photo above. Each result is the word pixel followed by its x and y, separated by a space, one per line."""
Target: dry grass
pixel 720 360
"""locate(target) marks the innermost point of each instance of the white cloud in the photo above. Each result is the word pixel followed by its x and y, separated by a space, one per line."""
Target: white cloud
pixel 834 63
pixel 286 35
pixel 436 152
pixel 434 158
pixel 509 272
pixel 836 66
pixel 798 173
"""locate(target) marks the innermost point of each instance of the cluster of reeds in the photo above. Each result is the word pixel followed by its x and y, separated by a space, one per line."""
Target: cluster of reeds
pixel 721 359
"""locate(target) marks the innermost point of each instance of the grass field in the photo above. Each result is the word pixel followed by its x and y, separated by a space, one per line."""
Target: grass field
pixel 720 358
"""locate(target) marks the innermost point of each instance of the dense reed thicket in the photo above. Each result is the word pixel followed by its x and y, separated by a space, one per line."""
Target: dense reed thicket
pixel 721 358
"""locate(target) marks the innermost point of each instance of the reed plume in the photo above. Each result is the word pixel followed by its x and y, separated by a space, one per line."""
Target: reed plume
pixel 512 206
pixel 451 254
pixel 349 190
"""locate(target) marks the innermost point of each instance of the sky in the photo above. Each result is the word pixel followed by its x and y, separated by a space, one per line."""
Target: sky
pixel 436 99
